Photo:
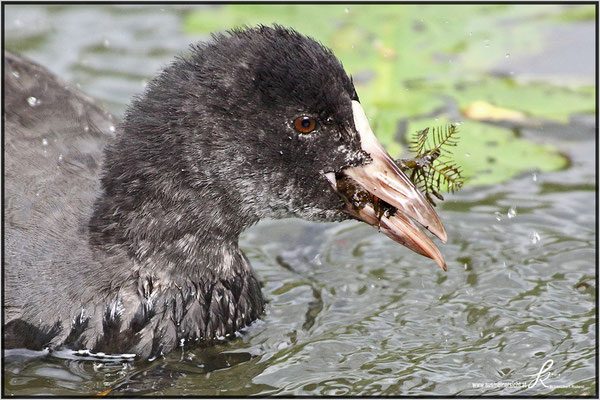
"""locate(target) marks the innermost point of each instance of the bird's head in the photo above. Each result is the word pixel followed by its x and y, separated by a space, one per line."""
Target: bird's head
pixel 272 119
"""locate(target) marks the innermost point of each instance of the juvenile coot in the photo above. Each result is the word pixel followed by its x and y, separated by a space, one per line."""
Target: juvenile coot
pixel 125 240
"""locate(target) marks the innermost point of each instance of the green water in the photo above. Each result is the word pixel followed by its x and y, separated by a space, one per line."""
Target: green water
pixel 349 311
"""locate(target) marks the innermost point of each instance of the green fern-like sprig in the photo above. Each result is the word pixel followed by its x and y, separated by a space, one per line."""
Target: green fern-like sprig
pixel 417 144
pixel 432 168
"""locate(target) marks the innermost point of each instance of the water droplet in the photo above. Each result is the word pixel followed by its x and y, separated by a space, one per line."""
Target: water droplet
pixel 60 157
pixel 16 74
pixel 467 154
pixel 498 216
pixel 470 33
pixel 466 266
pixel 106 43
pixel 86 128
pixel 282 345
pixel 281 152
pixel 534 237
pixel 512 212
pixel 534 177
pixel 317 260
pixel 507 55
pixel 44 142
pixel 33 101
pixel 486 43
pixel 111 128
pixel 347 10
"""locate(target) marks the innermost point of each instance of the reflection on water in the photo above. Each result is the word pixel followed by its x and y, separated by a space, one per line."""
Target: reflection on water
pixel 349 311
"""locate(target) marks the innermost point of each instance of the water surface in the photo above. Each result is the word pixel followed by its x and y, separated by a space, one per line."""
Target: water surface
pixel 349 311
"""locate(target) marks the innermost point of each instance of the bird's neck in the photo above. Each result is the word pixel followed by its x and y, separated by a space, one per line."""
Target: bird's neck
pixel 162 220
pixel 173 251
pixel 180 272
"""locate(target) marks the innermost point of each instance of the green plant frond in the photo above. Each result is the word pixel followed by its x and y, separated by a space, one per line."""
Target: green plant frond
pixel 417 144
pixel 444 137
pixel 432 168
pixel 448 175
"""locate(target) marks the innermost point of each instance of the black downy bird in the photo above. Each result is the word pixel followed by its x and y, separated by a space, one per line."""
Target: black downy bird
pixel 125 240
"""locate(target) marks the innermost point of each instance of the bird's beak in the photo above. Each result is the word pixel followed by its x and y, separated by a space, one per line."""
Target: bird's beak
pixel 365 187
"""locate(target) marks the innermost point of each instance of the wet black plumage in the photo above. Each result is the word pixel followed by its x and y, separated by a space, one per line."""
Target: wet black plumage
pixel 127 242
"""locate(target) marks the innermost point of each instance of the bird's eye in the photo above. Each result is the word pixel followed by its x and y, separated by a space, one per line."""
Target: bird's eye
pixel 305 124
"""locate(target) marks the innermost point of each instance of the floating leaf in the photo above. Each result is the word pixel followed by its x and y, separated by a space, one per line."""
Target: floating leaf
pixel 534 99
pixel 481 110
